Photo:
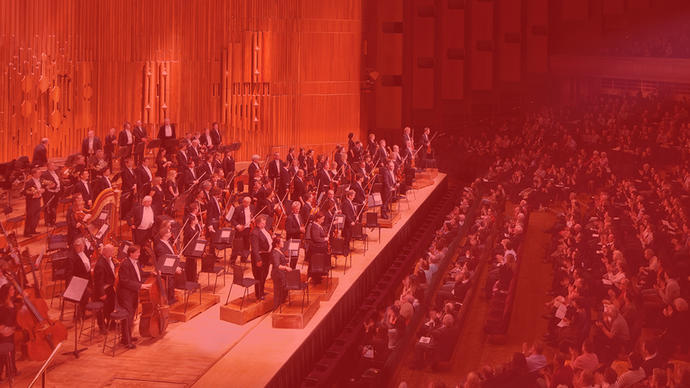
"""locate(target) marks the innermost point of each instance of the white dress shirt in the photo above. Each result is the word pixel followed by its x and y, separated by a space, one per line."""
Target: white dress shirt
pixel 85 260
pixel 129 136
pixel 268 237
pixel 146 218
pixel 168 131
pixel 247 217
pixel 136 268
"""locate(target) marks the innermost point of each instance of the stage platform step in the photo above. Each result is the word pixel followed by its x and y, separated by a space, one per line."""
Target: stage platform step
pixel 324 290
pixel 292 316
pixel 251 309
pixel 389 222
pixel 194 308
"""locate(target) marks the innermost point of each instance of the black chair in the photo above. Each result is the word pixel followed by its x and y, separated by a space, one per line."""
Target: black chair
pixel 58 264
pixel 359 235
pixel 293 282
pixel 239 279
pixel 291 253
pixel 208 266
pixel 372 222
pixel 118 318
pixel 340 248
pixel 188 288
pixel 321 265
pixel 93 308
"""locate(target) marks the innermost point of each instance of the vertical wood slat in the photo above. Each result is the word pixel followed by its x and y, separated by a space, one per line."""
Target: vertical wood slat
pixel 307 88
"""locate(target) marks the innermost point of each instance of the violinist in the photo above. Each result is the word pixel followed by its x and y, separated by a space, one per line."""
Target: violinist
pixel 329 206
pixel 157 196
pixel 129 187
pixel 309 162
pixel 298 187
pixel 294 225
pixel 406 136
pixel 357 186
pixel 206 169
pixel 356 154
pixel 396 158
pixel 182 157
pixel 33 190
pixel 162 247
pixel 8 325
pixel 318 243
pixel 228 165
pixel 79 265
pixel 90 144
pixel 426 142
pixel 283 182
pixel 389 186
pixel 372 146
pixel 189 177
pixel 141 221
pixel 253 169
pixel 302 159
pixel 102 182
pixel 193 151
pixel 130 280
pixel 51 197
pixel 350 213
pixel 206 139
pixel 241 221
pixel 171 193
pixel 262 196
pixel 192 229
pixel 144 178
pixel 279 271
pixel 408 154
pixel 104 283
pixel 324 178
pixel 274 167
pixel 126 139
pixel 261 242
pixel 216 137
pixel 75 218
pixel 140 136
pixel 294 168
pixel 84 188
pixel 307 207
pixel 213 206
pixel 381 157
pixel 162 163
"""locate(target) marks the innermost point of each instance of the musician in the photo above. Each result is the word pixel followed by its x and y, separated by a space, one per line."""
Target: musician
pixel 372 147
pixel 157 195
pixel 140 136
pixel 381 156
pixel 90 144
pixel 33 190
pixel 309 162
pixel 406 136
pixel 283 182
pixel 350 213
pixel 126 139
pixel 389 186
pixel 51 196
pixel 193 151
pixel 103 284
pixel 79 265
pixel 241 221
pixel 97 160
pixel 356 153
pixel 189 177
pixel 426 141
pixel 102 182
pixel 141 221
pixel 162 163
pixel 8 326
pixel 261 243
pixel 329 206
pixel 279 272
pixel 213 207
pixel 253 169
pixel 290 157
pixel 130 281
pixel 228 165
pixel 274 167
pixel 396 158
pixel 350 143
pixel 408 154
pixel 357 186
pixel 129 187
pixel 294 168
pixel 192 230
pixel 299 188
pixel 182 158
pixel 206 139
pixel 167 130
pixel 75 218
pixel 324 178
pixel 302 159
pixel 205 169
pixel 144 177
pixel 305 212
pixel 171 193
pixel 338 157
pixel 262 197
pixel 294 226
pixel 40 158
pixel 318 243
pixel 162 247
pixel 216 137
pixel 109 146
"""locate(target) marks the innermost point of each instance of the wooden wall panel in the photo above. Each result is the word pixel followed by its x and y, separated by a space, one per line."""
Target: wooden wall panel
pixel 423 65
pixel 483 46
pixel 389 64
pixel 509 40
pixel 536 36
pixel 272 72
pixel 453 55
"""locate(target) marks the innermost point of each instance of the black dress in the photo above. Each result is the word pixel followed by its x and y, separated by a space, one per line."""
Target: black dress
pixel 279 277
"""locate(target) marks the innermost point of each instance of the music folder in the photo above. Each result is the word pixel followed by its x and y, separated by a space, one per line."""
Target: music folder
pixel 196 248
pixel 167 264
pixel 225 236
pixel 375 200
pixel 75 289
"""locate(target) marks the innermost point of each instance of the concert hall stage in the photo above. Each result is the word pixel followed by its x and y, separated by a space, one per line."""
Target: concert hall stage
pixel 209 352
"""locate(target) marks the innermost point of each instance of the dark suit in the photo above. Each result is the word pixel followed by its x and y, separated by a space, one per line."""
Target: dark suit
pixel 103 285
pixel 188 178
pixel 216 137
pixel 40 158
pixel 99 184
pixel 94 147
pixel 182 160
pixel 305 212
pixel 278 275
pixel 128 294
pixel 260 248
pixel 274 169
pixel 298 189
pixel 387 192
pixel 109 148
pixel 139 236
pixel 122 139
pixel 360 194
pixel 73 230
pixel 350 213
pixel 161 132
pixel 292 225
pixel 51 198
pixel 33 208
pixel 76 267
pixel 139 135
pixel 193 154
pixel 324 180
pixel 242 237
pixel 252 170
pixel 228 167
pixel 317 244
pixel 205 170
pixel 213 210
pixel 129 179
pixel 143 181
pixel 206 140
pixel 158 200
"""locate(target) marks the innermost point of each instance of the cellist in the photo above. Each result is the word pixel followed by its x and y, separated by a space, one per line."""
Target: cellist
pixel 103 284
pixel 130 281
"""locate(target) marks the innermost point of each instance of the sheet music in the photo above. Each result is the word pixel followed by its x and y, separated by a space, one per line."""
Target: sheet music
pixel 169 262
pixel 224 234
pixel 199 246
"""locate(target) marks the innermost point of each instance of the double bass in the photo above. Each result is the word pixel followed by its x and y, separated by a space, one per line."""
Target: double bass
pixel 154 308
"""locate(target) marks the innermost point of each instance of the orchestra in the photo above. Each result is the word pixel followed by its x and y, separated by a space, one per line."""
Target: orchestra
pixel 309 198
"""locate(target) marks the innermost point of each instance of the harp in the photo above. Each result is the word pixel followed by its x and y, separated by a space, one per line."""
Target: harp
pixel 102 213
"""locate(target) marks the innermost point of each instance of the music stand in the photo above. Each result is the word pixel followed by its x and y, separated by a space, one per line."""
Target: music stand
pixel 234 146
pixel 122 251
pixel 196 248
pixel 102 231
pixel 375 200
pixel 74 293
pixel 224 236
pixel 167 264
pixel 293 246
pixel 339 221
pixel 139 148
pixel 154 143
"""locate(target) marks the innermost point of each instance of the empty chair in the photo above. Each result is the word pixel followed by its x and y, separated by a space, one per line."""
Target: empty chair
pixel 372 222
pixel 320 265
pixel 293 281
pixel 209 266
pixel 339 248
pixel 239 279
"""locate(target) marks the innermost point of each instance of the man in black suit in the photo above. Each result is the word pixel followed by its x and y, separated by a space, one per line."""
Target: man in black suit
pixel 261 242
pixel 33 190
pixel 283 182
pixel 274 167
pixel 407 136
pixel 51 196
pixel 350 213
pixel 241 221
pixel 141 221
pixel 167 130
pixel 205 169
pixel 90 144
pixel 298 187
pixel 182 157
pixel 372 147
pixel 102 182
pixel 294 225
pixel 144 178
pixel 323 178
pixel 253 169
pixel 140 136
pixel 389 186
pixel 41 153
pixel 131 280
pixel 126 140
pixel 228 165
pixel 79 265
pixel 129 188
pixel 193 151
pixel 216 137
pixel 162 247
pixel 206 139
pixel 84 188
pixel 104 284
pixel 360 194
pixel 110 145
pixel 305 211
pixel 381 157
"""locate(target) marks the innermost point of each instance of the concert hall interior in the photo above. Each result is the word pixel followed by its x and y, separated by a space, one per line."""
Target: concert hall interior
pixel 345 193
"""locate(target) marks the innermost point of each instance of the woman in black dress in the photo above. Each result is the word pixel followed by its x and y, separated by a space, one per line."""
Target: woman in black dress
pixel 279 272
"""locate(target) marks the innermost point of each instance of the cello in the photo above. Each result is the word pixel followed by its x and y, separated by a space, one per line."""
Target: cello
pixel 154 308
pixel 43 333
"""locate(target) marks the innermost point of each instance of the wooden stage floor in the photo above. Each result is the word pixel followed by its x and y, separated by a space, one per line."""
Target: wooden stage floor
pixel 206 351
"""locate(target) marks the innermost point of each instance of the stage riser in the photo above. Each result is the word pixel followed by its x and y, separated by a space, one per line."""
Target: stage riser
pixel 251 309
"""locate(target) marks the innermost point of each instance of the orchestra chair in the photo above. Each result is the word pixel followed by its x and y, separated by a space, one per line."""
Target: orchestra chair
pixel 372 222
pixel 293 254
pixel 188 288
pixel 321 264
pixel 293 282
pixel 93 308
pixel 58 265
pixel 340 248
pixel 208 266
pixel 359 235
pixel 239 279
pixel 118 318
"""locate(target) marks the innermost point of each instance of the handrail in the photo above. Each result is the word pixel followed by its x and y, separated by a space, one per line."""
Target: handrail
pixel 42 372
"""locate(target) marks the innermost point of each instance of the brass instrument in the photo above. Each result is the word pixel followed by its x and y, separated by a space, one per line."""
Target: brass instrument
pixel 34 192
